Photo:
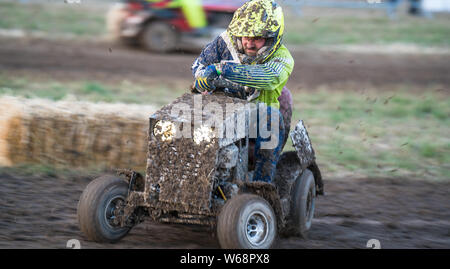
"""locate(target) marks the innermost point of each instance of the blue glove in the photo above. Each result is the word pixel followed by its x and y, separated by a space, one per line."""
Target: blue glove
pixel 203 82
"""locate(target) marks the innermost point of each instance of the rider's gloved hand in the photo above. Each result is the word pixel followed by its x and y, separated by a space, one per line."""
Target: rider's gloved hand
pixel 203 81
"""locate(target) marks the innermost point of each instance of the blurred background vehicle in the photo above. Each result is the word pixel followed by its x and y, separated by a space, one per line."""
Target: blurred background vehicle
pixel 163 26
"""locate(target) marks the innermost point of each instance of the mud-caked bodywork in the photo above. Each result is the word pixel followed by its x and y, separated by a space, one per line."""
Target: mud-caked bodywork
pixel 198 159
pixel 199 171
pixel 188 159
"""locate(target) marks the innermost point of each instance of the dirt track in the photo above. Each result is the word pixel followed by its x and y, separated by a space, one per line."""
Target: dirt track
pixel 68 60
pixel 40 212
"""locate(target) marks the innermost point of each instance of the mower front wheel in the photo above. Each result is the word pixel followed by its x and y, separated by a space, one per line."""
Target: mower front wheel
pixel 99 208
pixel 247 221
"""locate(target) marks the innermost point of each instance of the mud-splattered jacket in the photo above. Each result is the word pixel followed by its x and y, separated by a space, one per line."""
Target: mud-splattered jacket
pixel 270 77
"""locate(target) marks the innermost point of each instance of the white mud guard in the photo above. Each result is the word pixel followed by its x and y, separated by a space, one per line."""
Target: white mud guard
pixel 302 145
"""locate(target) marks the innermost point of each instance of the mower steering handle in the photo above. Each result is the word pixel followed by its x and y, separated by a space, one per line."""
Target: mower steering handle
pixel 231 88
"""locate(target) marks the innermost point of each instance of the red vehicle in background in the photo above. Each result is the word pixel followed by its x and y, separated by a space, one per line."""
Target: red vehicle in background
pixel 159 28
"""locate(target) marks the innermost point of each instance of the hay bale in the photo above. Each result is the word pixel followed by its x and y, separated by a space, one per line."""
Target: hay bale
pixel 74 134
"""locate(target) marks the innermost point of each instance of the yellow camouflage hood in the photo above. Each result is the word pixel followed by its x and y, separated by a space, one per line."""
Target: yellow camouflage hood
pixel 258 18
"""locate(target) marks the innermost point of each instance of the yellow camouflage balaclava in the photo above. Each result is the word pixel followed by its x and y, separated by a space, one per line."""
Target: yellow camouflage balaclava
pixel 258 18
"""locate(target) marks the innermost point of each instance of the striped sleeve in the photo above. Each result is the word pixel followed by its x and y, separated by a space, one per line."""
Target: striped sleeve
pixel 260 76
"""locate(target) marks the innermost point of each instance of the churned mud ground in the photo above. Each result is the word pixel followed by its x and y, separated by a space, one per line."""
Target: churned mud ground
pixel 40 212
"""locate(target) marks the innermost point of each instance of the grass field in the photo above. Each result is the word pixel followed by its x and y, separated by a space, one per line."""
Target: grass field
pixel 379 134
pixel 88 20
pixel 53 18
pixel 368 30
pixel 356 133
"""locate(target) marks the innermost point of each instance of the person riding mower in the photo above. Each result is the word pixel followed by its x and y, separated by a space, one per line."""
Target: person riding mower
pixel 199 161
pixel 251 54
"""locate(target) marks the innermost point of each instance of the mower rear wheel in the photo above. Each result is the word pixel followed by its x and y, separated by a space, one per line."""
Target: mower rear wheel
pixel 303 203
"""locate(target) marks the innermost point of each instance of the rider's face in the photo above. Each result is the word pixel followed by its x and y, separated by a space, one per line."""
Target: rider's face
pixel 252 45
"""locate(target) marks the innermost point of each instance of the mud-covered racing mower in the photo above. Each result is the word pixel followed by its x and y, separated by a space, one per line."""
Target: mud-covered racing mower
pixel 202 178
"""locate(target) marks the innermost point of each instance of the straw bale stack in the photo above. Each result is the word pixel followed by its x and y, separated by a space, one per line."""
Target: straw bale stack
pixel 74 134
